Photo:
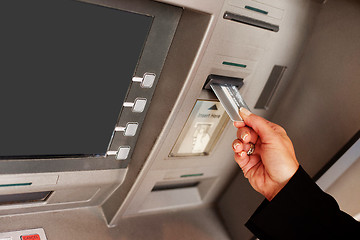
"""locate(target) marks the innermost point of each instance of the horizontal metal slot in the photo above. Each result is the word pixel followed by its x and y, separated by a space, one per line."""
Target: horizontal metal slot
pixel 256 10
pixel 174 186
pixel 251 21
pixel 218 79
pixel 234 64
pixel 24 197
pixel 270 87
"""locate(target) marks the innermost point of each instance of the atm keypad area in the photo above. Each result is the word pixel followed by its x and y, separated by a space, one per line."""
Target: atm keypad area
pixel 190 161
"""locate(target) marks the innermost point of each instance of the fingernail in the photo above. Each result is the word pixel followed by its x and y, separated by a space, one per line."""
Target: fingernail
pixel 242 154
pixel 244 136
pixel 236 145
pixel 245 111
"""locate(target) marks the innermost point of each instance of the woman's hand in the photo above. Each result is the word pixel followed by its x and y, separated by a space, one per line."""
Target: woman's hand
pixel 273 161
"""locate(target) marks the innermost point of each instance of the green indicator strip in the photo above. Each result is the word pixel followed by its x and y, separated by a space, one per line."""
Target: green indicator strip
pixel 234 64
pixel 256 10
pixel 15 184
pixel 192 175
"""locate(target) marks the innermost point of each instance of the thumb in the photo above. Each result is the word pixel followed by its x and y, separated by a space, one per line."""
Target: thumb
pixel 259 124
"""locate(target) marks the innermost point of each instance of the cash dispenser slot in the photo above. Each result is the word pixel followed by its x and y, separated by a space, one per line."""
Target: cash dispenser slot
pixel 174 186
pixel 31 197
pixel 176 194
pixel 250 21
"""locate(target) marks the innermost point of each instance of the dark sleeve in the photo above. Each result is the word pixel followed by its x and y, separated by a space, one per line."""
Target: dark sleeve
pixel 301 210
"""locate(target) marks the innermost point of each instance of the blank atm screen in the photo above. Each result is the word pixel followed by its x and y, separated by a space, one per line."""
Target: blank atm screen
pixel 65 68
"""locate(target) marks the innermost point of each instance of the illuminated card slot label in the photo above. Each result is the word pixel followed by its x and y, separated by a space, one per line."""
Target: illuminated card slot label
pixel 256 10
pixel 234 64
pixel 202 130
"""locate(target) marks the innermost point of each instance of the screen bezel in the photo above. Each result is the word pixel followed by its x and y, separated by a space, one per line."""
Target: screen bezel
pixel 165 21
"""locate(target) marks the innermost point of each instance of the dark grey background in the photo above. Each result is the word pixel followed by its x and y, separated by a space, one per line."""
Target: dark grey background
pixel 65 67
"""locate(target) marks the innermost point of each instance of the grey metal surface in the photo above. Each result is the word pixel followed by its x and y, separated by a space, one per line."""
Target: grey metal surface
pixel 236 205
pixel 320 109
pixel 88 223
pixel 152 60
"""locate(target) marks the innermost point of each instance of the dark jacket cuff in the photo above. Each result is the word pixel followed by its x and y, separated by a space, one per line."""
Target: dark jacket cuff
pixel 301 210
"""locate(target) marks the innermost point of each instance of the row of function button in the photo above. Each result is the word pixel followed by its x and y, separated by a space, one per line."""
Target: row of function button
pixel 137 106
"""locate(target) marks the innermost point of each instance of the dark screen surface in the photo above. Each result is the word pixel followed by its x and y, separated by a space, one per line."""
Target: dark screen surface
pixel 65 68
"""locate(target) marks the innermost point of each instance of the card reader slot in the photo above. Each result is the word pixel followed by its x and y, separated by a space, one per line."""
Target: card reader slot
pixel 175 186
pixel 226 90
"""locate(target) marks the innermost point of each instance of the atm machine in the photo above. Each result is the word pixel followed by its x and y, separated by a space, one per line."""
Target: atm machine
pixel 109 129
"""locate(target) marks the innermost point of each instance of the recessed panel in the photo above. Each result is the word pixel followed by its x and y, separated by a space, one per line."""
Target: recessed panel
pixel 18 198
pixel 202 130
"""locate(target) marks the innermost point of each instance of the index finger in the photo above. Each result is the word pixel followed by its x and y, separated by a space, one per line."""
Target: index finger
pixel 259 124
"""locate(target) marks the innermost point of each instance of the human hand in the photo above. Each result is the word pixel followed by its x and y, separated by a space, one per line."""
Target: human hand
pixel 273 162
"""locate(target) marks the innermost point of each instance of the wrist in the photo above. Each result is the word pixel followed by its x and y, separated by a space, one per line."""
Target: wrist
pixel 279 186
pixel 270 195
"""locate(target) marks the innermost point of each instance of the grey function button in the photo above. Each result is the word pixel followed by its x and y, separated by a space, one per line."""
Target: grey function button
pixel 129 130
pixel 138 106
pixel 123 153
pixel 146 81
